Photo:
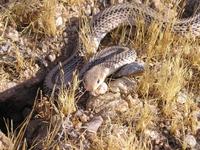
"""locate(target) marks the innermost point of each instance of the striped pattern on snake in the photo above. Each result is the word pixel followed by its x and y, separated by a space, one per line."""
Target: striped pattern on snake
pixel 109 19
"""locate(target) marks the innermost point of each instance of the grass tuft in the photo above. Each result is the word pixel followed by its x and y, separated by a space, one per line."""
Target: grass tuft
pixel 67 96
pixel 32 16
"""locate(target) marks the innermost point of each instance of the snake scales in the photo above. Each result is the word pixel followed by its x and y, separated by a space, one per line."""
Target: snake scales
pixel 109 19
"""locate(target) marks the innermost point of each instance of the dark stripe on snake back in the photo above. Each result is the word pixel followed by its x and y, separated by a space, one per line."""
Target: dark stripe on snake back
pixel 109 19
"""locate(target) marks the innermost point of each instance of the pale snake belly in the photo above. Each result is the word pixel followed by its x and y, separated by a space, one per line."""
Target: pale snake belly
pixel 109 19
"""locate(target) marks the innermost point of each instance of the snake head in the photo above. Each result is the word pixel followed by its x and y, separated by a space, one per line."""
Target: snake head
pixel 94 77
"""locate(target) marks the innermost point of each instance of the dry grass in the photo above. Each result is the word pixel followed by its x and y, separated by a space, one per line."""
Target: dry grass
pixel 128 141
pixel 32 16
pixel 172 65
pixel 87 40
pixel 67 97
pixel 74 2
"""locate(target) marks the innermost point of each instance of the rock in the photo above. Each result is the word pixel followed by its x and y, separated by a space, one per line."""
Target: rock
pixel 182 97
pixel 96 10
pixel 67 128
pixel 94 124
pixel 190 140
pixel 102 89
pixel 121 1
pixel 113 103
pixel 59 21
pixel 153 134
pixel 12 34
pixel 123 85
pixel 101 101
pixel 5 47
pixel 138 1
pixel 109 104
pixel 52 57
pixel 81 115
pixel 197 99
pixel 84 118
pixel 133 101
pixel 88 10
pixel 122 106
pixel 196 117
pixel 119 131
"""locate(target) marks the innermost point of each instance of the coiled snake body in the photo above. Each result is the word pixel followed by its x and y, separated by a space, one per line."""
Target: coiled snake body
pixel 104 22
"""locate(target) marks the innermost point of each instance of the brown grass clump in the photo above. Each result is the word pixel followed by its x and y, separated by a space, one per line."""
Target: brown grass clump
pixel 32 16
pixel 111 138
pixel 86 40
pixel 67 97
pixel 74 2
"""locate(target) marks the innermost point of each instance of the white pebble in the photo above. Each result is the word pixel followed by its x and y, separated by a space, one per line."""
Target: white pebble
pixel 59 21
pixel 52 57
pixel 102 89
pixel 94 124
pixel 190 140
pixel 13 35
pixel 182 98
pixel 153 134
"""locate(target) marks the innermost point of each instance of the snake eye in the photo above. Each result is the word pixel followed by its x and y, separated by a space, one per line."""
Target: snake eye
pixel 98 81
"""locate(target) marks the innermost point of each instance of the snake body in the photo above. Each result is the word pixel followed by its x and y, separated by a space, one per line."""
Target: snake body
pixel 109 19
pixel 105 63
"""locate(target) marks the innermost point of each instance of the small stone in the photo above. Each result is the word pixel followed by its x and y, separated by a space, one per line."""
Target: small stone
pixel 133 101
pixel 119 130
pixel 79 113
pixel 5 47
pixel 66 40
pixel 153 134
pixel 102 101
pixel 96 10
pixel 78 125
pixel 26 74
pixel 94 124
pixel 84 118
pixel 197 99
pixel 122 106
pixel 157 4
pixel 123 85
pixel 182 97
pixel 59 21
pixel 13 35
pixel 190 140
pixel 102 89
pixel 43 62
pixel 52 57
pixel 138 1
pixel 44 48
pixel 196 114
pixel 88 10
pixel 120 1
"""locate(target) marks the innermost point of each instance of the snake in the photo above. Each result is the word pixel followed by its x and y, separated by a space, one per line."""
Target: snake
pixel 101 24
